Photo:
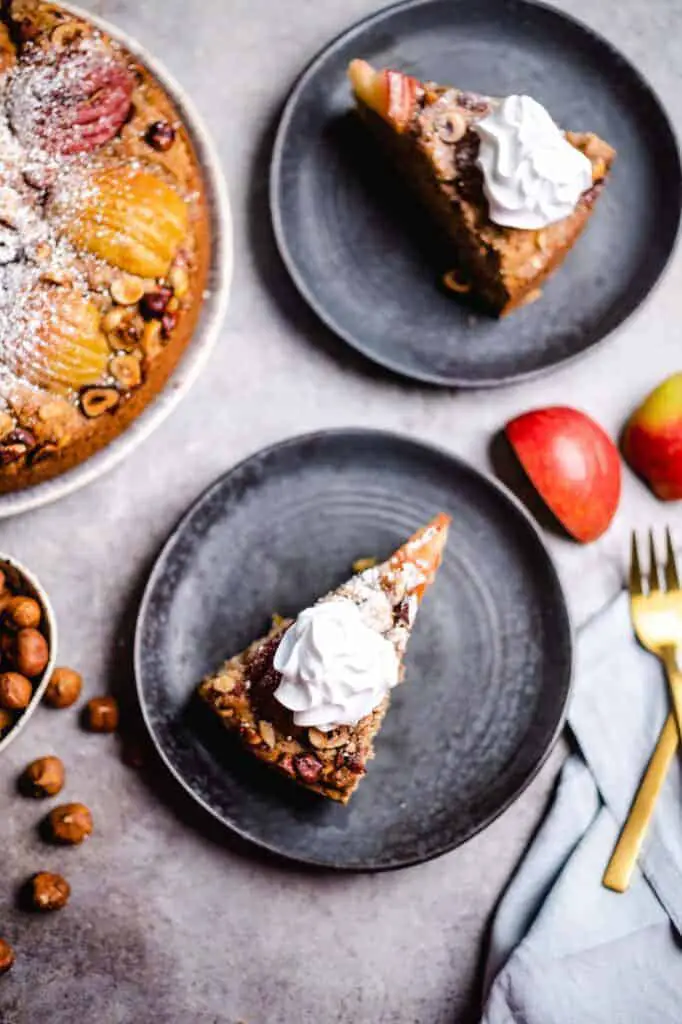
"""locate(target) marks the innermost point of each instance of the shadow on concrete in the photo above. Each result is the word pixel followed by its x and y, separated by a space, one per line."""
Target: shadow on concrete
pixel 275 277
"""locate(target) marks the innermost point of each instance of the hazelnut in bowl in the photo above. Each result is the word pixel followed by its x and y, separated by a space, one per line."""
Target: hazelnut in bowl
pixel 28 646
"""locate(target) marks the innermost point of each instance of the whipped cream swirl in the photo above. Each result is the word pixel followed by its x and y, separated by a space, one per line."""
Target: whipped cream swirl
pixel 532 176
pixel 335 668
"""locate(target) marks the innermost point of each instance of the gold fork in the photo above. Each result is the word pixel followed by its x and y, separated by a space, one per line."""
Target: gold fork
pixel 657 619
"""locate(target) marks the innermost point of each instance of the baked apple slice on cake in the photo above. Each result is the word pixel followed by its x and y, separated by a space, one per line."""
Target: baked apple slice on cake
pixel 310 697
pixel 511 191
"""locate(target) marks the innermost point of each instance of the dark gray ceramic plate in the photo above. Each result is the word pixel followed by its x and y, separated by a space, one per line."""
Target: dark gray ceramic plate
pixel 488 668
pixel 365 260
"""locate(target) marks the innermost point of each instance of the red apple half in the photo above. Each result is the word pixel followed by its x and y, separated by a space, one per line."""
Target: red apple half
pixel 573 465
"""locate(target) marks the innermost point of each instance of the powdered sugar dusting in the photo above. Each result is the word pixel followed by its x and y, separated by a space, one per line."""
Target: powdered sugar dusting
pixel 42 99
pixel 69 102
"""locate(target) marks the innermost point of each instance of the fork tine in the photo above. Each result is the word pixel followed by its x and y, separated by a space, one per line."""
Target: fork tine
pixel 672 579
pixel 654 577
pixel 635 571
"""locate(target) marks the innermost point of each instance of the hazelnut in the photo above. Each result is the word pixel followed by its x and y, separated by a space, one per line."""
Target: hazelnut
pixel 69 824
pixel 68 34
pixel 455 283
pixel 31 653
pixel 45 450
pixel 64 688
pixel 96 401
pixel 112 319
pixel 154 303
pixel 43 777
pixel 11 453
pixel 48 891
pixel 6 956
pixel 126 291
pixel 6 720
pixel 102 714
pixel 57 275
pixel 123 327
pixel 452 128
pixel 21 437
pixel 127 371
pixel 24 613
pixel 160 136
pixel 15 691
pixel 328 740
pixel 353 762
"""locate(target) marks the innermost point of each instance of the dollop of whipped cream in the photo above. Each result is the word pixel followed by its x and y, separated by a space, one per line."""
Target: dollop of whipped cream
pixel 335 668
pixel 532 176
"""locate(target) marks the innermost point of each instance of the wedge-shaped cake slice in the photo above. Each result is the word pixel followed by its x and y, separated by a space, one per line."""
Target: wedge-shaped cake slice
pixel 509 189
pixel 309 697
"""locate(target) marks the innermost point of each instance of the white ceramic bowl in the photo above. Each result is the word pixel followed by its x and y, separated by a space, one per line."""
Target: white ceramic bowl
pixel 25 583
pixel 212 314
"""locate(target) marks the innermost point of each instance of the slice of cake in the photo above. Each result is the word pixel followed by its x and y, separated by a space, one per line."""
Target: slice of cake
pixel 511 191
pixel 310 697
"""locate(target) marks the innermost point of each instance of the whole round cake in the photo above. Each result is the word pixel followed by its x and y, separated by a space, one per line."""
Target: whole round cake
pixel 104 240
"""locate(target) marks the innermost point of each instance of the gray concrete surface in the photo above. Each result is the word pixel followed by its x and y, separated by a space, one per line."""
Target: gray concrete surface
pixel 169 922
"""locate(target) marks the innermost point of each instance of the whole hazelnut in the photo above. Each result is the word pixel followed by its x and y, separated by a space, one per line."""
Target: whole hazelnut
pixel 69 824
pixel 64 688
pixel 6 956
pixel 23 613
pixel 31 653
pixel 15 691
pixel 6 720
pixel 102 714
pixel 48 891
pixel 43 777
pixel 160 136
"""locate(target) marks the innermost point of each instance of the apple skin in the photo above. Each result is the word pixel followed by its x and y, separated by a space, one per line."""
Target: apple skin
pixel 652 440
pixel 390 94
pixel 573 465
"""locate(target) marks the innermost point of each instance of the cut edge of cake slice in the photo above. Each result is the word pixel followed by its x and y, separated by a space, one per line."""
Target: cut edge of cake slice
pixel 426 132
pixel 242 692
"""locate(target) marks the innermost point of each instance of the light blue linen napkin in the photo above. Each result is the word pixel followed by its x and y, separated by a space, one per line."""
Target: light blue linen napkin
pixel 565 950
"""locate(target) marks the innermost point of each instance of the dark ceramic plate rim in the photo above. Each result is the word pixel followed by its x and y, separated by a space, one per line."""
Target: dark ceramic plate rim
pixel 562 609
pixel 299 279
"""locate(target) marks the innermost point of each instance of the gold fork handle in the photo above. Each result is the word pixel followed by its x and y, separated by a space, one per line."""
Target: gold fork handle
pixel 669 655
pixel 624 857
pixel 619 870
